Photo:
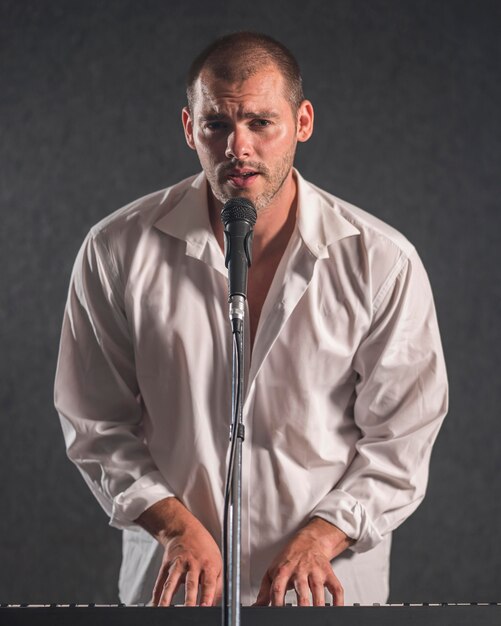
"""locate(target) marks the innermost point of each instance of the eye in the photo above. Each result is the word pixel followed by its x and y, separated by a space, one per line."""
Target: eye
pixel 258 123
pixel 214 126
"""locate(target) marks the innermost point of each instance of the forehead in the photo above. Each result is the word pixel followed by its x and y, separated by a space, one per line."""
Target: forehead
pixel 264 88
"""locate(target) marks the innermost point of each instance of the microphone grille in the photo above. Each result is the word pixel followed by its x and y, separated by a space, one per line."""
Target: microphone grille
pixel 238 209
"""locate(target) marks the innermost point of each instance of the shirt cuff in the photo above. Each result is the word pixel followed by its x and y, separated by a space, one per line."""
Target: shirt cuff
pixel 350 516
pixel 142 494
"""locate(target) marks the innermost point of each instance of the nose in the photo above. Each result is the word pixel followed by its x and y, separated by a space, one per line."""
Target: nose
pixel 239 144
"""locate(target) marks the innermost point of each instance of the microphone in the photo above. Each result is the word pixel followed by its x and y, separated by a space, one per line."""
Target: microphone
pixel 238 216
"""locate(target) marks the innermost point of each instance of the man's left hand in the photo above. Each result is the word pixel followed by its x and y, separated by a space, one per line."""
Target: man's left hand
pixel 304 565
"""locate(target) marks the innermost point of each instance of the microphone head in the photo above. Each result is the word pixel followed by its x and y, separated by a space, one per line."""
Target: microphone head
pixel 237 209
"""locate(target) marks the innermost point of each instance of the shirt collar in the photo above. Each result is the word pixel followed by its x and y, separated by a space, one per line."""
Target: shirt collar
pixel 319 223
pixel 189 221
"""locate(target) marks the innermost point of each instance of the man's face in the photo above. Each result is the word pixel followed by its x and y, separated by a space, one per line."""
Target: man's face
pixel 245 135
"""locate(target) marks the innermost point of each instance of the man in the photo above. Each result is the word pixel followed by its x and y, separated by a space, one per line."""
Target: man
pixel 346 384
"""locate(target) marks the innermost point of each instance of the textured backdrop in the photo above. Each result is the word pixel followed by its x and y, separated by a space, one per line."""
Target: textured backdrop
pixel 407 98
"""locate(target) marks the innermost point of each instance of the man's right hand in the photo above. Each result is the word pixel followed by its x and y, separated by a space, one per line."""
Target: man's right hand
pixel 191 556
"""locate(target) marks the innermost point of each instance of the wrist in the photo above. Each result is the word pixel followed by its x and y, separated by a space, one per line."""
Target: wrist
pixel 330 539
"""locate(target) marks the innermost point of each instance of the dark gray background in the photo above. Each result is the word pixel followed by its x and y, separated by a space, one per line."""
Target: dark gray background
pixel 407 98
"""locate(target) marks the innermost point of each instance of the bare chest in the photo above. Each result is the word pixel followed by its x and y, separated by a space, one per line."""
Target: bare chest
pixel 259 282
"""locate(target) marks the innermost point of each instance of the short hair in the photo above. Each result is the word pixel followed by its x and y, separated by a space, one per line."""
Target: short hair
pixel 237 56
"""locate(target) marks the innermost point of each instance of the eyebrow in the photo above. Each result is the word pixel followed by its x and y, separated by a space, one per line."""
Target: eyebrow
pixel 246 115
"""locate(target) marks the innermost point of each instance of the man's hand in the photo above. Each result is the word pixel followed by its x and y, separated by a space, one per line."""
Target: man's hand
pixel 304 565
pixel 191 556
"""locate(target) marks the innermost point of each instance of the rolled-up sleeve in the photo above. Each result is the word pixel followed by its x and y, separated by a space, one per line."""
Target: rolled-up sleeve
pixel 401 400
pixel 96 392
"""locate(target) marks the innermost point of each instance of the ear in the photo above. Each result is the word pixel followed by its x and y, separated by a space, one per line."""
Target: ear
pixel 305 116
pixel 188 127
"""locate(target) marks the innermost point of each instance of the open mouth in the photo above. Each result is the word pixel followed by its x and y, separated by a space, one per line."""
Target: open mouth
pixel 242 179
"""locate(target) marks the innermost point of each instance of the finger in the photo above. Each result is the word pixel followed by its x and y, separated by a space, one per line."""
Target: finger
pixel 191 587
pixel 208 582
pixel 219 591
pixel 278 589
pixel 302 591
pixel 335 587
pixel 162 577
pixel 170 587
pixel 158 588
pixel 263 596
pixel 317 590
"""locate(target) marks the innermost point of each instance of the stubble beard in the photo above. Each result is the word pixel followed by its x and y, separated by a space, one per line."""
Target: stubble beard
pixel 274 181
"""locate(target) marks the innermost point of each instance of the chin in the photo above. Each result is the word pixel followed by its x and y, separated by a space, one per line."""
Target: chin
pixel 224 195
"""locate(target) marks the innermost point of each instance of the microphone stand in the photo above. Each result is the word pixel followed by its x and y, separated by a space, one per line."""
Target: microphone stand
pixel 238 216
pixel 232 542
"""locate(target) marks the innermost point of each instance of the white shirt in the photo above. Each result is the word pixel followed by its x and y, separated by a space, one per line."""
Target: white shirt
pixel 345 392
